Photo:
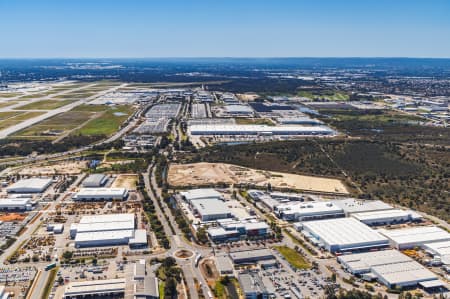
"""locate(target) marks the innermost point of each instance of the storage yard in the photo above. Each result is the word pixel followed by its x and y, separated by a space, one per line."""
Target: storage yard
pixel 204 174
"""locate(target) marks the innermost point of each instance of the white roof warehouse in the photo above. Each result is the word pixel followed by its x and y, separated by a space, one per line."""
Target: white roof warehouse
pixel 96 194
pixel 343 234
pixel 223 129
pixel 32 185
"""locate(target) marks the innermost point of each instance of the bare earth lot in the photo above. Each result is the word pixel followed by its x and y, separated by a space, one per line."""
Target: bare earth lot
pixel 200 174
pixel 125 181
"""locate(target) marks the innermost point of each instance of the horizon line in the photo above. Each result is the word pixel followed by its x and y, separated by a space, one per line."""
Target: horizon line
pixel 225 57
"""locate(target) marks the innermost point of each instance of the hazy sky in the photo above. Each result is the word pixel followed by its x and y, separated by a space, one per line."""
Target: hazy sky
pixel 224 28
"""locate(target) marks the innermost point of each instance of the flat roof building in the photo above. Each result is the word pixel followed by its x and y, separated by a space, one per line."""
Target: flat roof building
pixel 254 287
pixel 200 194
pixel 387 217
pixel 16 204
pixel 32 185
pixel 354 205
pixel 389 267
pixel 283 130
pixel 95 288
pixel 101 194
pixel 95 180
pixel 405 238
pixel 440 250
pixel 251 256
pixel 306 211
pixel 210 209
pixel 224 265
pixel 343 234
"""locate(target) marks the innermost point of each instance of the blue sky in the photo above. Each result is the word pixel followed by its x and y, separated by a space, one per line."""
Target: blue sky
pixel 227 28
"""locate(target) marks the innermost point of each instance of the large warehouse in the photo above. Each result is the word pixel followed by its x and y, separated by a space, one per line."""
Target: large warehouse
pixel 439 250
pixel 386 217
pixel 343 234
pixel 32 185
pixel 210 209
pixel 202 193
pixel 95 288
pixel 353 205
pixel 405 238
pixel 305 211
pixel 95 180
pixel 225 129
pixel 16 204
pixel 389 267
pixel 107 230
pixel 97 194
pixel 251 256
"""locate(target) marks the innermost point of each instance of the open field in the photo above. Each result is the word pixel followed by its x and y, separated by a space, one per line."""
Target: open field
pixel 57 125
pixel 18 118
pixel 127 181
pixel 8 114
pixel 6 104
pixel 65 167
pixel 108 122
pixel 254 121
pixel 203 174
pixel 293 257
pixel 45 105
pixel 7 95
pixel 413 175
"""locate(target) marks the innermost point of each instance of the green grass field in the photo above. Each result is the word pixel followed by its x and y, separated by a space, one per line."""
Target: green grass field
pixel 108 123
pixel 62 122
pixel 45 105
pixel 18 118
pixel 254 121
pixel 293 257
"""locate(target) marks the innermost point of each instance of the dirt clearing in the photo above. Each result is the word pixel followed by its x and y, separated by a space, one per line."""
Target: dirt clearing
pixel 203 174
pixel 127 181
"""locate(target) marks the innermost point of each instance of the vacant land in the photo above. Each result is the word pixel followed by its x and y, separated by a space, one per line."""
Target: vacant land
pixel 127 181
pixel 293 257
pixel 45 105
pixel 6 104
pixel 202 174
pixel 56 125
pixel 254 121
pixel 61 168
pixel 108 122
pixel 413 175
pixel 8 114
pixel 5 123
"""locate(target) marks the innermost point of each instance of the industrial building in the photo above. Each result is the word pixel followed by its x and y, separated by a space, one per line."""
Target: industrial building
pixel 95 288
pixel 439 250
pixel 210 209
pixel 229 230
pixel 99 194
pixel 254 286
pixel 306 211
pixel 145 282
pixel 200 194
pixel 405 238
pixel 343 234
pixel 32 185
pixel 16 204
pixel 251 256
pixel 95 180
pixel 224 265
pixel 238 110
pixel 389 267
pixel 108 230
pixel 386 217
pixel 353 205
pixel 264 130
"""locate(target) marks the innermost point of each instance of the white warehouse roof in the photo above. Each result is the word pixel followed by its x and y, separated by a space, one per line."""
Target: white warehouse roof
pixel 200 194
pixel 390 267
pixel 95 180
pixel 386 216
pixel 353 205
pixel 32 185
pixel 344 234
pixel 15 203
pixel 210 206
pixel 108 218
pixel 300 210
pixel 101 193
pixel 415 236
pixel 94 288
pixel 228 129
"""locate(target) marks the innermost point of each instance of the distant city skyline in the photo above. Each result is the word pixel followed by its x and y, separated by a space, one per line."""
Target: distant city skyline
pixel 176 28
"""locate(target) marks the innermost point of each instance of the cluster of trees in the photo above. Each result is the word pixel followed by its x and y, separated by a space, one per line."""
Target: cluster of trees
pixel 149 208
pixel 170 273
